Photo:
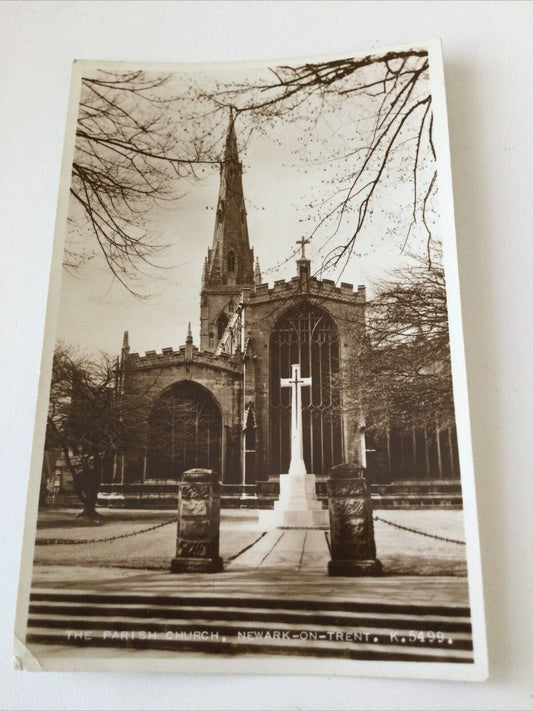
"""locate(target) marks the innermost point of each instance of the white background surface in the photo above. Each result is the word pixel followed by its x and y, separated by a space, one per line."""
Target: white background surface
pixel 488 58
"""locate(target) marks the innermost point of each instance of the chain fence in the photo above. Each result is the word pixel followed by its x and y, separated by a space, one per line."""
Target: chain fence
pixel 420 533
pixel 108 539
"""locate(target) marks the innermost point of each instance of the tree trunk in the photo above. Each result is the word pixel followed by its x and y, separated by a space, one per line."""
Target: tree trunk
pixel 89 506
pixel 89 485
pixel 93 486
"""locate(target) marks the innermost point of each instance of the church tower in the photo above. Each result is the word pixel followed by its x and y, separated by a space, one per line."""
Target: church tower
pixel 229 265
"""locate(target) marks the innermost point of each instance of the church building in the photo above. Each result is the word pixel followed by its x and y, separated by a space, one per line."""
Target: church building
pixel 219 404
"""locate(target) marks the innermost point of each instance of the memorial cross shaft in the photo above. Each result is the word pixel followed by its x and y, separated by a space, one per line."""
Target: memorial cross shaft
pixel 297 505
pixel 297 465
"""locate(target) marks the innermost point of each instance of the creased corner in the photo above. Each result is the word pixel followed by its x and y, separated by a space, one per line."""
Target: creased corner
pixel 22 657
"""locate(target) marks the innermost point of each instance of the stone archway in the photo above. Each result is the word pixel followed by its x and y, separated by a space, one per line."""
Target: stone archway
pixel 185 432
pixel 307 335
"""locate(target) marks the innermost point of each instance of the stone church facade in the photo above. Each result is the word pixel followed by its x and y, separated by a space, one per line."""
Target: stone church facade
pixel 220 404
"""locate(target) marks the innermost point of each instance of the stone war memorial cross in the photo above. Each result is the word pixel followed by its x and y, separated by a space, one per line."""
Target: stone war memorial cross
pixel 297 506
pixel 297 465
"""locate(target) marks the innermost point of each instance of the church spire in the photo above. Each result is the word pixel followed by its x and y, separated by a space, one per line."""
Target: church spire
pixel 231 154
pixel 230 259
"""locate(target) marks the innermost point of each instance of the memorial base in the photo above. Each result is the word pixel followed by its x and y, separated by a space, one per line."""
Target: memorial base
pixel 297 506
pixel 196 565
pixel 354 568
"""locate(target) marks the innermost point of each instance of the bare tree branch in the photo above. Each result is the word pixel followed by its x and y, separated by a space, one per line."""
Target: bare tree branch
pixel 304 93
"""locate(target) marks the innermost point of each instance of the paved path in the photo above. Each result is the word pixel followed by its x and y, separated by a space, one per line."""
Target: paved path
pixel 301 551
pixel 394 589
pixel 279 563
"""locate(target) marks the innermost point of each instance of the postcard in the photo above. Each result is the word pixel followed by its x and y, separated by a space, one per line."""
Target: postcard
pixel 252 449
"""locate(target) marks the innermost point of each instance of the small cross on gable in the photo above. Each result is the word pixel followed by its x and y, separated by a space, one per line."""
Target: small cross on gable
pixel 303 242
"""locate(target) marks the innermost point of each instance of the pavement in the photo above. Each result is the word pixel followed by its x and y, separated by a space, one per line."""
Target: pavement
pixel 280 563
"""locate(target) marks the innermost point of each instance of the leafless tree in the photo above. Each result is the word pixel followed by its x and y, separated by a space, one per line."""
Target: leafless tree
pixel 128 157
pixel 89 421
pixel 403 373
pixel 136 138
pixel 389 138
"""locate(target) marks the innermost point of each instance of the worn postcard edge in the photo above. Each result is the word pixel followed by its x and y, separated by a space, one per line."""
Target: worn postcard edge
pixel 478 670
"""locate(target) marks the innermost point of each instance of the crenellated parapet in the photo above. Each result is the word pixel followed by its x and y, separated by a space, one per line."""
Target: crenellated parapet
pixel 169 357
pixel 320 288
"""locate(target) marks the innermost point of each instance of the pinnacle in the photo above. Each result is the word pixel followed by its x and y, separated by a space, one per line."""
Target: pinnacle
pixel 257 272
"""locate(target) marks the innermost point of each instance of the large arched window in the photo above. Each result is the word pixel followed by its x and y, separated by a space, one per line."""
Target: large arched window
pixel 185 432
pixel 306 335
pixel 222 322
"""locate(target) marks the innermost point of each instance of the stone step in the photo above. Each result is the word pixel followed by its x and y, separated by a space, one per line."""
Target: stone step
pixel 213 600
pixel 268 615
pixel 402 494
pixel 216 625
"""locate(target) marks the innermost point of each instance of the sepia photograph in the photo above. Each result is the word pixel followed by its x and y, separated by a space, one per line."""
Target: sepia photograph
pixel 253 443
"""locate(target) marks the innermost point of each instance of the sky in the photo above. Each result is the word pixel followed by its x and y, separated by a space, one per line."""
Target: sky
pixel 290 167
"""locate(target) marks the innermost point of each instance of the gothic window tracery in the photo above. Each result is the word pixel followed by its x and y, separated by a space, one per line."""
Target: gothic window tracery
pixel 185 432
pixel 306 335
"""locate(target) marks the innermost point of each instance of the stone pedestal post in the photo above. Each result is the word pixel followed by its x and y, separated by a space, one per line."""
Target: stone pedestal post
pixel 353 549
pixel 197 548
